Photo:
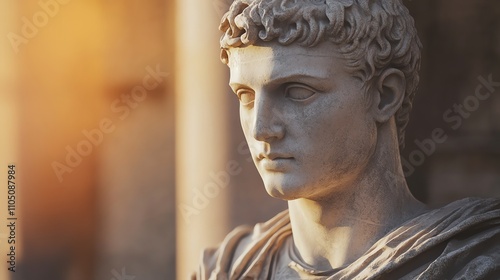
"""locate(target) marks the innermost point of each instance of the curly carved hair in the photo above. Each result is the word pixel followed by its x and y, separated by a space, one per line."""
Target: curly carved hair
pixel 373 35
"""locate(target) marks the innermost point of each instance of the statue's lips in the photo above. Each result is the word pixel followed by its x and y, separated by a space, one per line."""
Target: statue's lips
pixel 275 162
pixel 273 156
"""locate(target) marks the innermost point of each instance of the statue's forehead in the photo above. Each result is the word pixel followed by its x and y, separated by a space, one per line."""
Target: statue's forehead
pixel 259 53
pixel 254 65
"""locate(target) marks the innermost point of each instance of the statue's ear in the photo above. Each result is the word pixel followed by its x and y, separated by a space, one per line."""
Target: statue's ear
pixel 388 94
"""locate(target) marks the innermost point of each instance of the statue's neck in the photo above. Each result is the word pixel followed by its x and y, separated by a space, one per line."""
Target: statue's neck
pixel 337 230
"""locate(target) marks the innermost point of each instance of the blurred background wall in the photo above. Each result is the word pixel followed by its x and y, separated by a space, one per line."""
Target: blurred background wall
pixel 94 142
pixel 461 51
pixel 127 143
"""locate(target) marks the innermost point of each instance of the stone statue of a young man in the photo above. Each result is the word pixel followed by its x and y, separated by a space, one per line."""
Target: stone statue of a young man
pixel 325 90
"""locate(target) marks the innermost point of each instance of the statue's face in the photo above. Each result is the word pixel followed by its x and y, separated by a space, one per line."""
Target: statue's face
pixel 305 117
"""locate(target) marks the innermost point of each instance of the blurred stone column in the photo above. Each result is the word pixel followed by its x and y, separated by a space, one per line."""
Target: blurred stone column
pixel 136 193
pixel 58 48
pixel 202 134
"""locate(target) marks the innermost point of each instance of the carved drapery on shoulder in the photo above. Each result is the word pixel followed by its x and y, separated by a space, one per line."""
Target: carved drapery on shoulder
pixel 458 241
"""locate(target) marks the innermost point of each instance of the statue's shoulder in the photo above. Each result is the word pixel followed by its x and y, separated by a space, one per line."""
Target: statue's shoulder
pixel 470 231
pixel 459 241
pixel 245 248
pixel 466 213
pixel 462 219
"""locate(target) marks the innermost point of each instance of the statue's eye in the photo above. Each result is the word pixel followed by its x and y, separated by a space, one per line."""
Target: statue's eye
pixel 245 96
pixel 299 92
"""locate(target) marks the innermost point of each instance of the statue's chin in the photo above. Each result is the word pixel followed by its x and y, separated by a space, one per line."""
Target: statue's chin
pixel 283 196
pixel 284 191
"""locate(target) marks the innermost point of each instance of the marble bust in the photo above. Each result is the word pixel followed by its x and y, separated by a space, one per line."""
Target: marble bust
pixel 325 90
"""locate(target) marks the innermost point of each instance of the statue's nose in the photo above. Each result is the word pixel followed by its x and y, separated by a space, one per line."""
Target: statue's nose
pixel 267 124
